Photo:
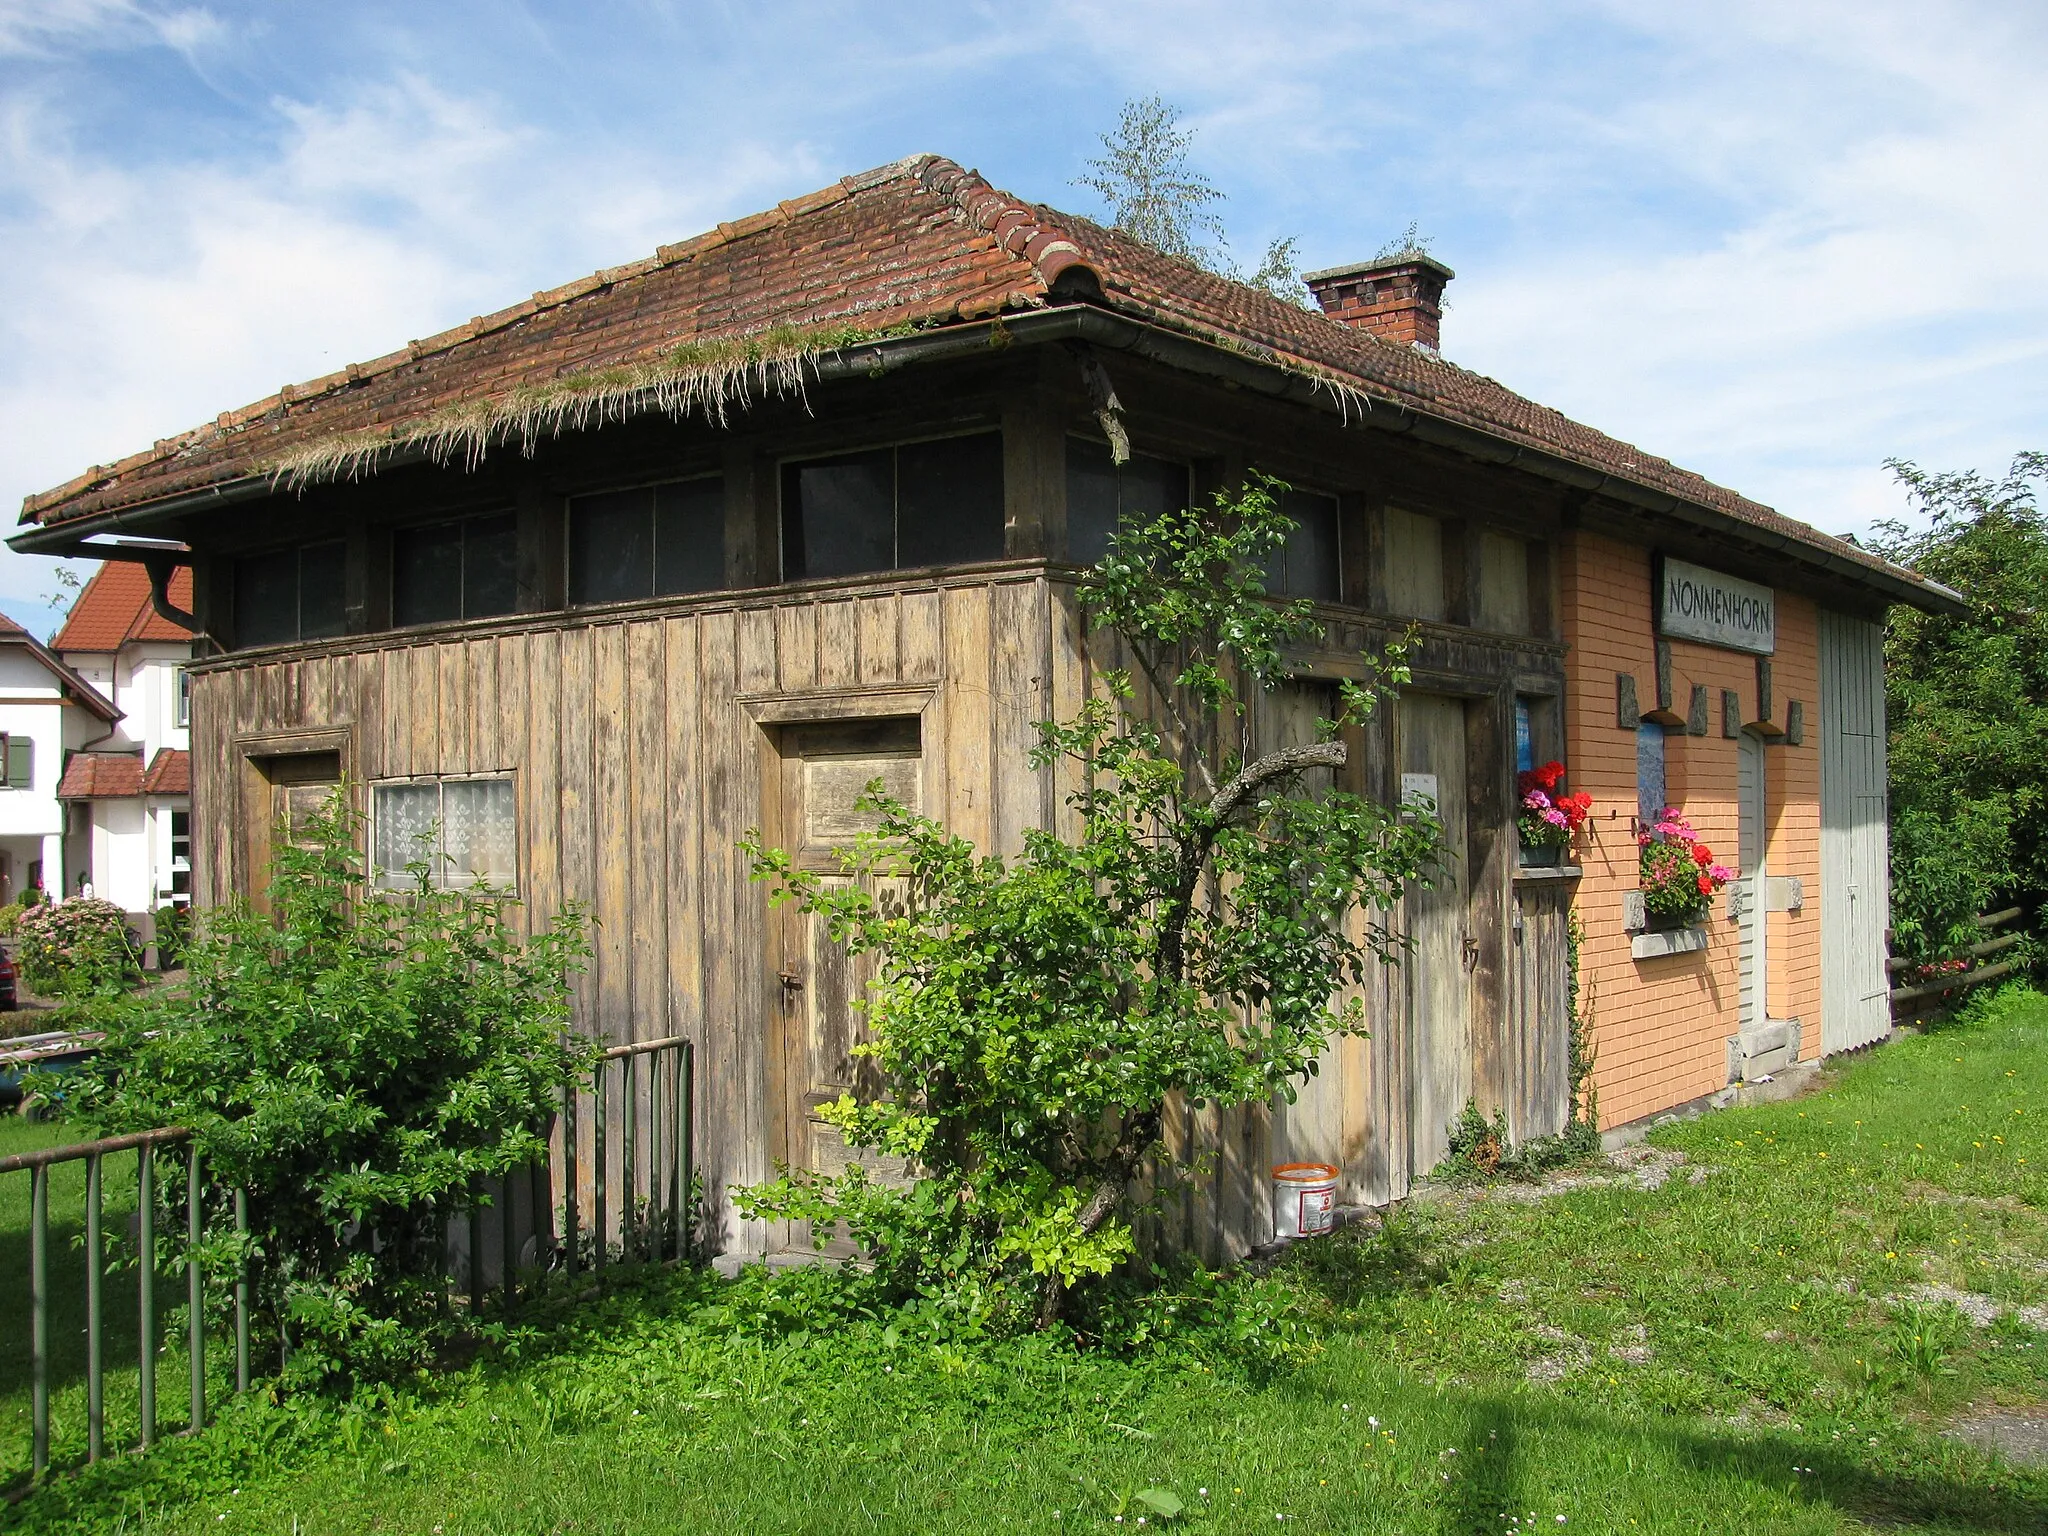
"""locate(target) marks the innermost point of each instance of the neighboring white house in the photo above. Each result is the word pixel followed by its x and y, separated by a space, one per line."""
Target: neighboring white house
pixel 47 712
pixel 129 798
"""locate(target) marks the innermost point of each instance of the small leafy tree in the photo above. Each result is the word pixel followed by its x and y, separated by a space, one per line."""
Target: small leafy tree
pixel 358 1061
pixel 1967 706
pixel 1182 939
pixel 1154 195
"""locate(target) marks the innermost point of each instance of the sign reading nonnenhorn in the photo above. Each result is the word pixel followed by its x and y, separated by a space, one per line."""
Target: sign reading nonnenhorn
pixel 1694 603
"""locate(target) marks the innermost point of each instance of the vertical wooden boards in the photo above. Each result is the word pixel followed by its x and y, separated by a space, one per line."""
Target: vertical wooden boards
pixel 645 742
pixel 1503 588
pixel 487 708
pixel 1019 662
pixel 969 716
pixel 838 645
pixel 876 638
pixel 1432 732
pixel 611 851
pixel 920 647
pixel 1414 546
pixel 576 829
pixel 734 963
pixel 1855 886
pixel 796 647
pixel 533 701
pixel 1536 1091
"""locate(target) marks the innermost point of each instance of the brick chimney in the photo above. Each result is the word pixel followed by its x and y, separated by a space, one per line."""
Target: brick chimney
pixel 1399 298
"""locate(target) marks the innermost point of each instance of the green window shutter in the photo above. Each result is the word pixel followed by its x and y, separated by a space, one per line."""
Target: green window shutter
pixel 21 763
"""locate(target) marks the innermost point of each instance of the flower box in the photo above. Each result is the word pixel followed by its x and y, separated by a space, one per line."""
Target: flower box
pixel 1548 817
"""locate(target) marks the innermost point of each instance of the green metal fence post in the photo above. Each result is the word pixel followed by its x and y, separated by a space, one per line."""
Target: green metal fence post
pixel 689 1112
pixel 95 1265
pixel 600 1175
pixel 629 1154
pixel 195 1289
pixel 145 1280
pixel 570 1194
pixel 39 1308
pixel 242 1293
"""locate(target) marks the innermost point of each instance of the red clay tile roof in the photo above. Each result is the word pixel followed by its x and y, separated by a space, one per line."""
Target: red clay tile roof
pixel 169 773
pixel 101 776
pixel 918 242
pixel 114 609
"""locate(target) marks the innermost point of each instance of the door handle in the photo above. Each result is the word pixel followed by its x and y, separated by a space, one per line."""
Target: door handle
pixel 1471 953
pixel 792 980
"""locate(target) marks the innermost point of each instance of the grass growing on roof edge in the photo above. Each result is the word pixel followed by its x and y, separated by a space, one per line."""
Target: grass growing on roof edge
pixel 1704 1356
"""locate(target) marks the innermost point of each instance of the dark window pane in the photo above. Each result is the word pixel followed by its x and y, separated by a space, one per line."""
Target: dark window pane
pixel 611 546
pixel 1306 565
pixel 490 566
pixel 949 501
pixel 267 598
pixel 1091 500
pixel 839 515
pixel 1100 494
pixel 426 574
pixel 1148 489
pixel 323 571
pixel 689 536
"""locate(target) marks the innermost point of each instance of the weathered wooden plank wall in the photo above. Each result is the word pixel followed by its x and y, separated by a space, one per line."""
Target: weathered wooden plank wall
pixel 640 742
pixel 638 767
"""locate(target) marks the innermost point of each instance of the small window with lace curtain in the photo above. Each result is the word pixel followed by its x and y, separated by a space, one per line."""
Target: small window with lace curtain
pixel 463 830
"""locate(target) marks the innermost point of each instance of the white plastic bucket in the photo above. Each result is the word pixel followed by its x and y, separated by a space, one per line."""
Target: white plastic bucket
pixel 1304 1200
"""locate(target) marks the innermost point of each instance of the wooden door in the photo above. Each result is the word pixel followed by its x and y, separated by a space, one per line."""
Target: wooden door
pixel 1431 731
pixel 281 794
pixel 1855 887
pixel 824 769
pixel 1752 838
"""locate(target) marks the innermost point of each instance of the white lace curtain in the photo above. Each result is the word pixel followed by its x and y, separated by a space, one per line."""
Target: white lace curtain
pixel 462 829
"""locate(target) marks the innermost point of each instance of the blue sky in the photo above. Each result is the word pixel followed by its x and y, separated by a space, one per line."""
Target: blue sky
pixel 1776 242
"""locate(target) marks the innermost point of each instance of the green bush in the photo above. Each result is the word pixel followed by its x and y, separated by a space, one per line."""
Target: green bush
pixel 1035 1016
pixel 1967 708
pixel 75 948
pixel 358 1061
pixel 173 933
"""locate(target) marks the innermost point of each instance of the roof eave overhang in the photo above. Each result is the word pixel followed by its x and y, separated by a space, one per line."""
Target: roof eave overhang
pixel 1104 327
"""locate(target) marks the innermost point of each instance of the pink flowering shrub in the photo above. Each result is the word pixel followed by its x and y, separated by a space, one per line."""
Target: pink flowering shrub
pixel 72 948
pixel 1678 875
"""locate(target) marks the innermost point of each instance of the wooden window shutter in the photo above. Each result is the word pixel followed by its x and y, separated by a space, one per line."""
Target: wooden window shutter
pixel 21 763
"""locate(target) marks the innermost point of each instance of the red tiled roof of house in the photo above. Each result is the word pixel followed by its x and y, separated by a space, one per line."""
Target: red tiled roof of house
pixel 114 609
pixel 169 773
pixel 101 776
pixel 921 242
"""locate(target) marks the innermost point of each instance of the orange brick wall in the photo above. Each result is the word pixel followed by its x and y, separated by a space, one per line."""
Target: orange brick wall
pixel 1660 1026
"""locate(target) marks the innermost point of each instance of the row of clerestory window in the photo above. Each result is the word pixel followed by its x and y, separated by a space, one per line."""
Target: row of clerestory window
pixel 904 507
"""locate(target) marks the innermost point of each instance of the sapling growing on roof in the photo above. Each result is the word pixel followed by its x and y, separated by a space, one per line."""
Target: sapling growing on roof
pixel 1180 936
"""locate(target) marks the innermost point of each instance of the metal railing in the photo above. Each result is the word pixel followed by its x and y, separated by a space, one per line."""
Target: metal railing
pixel 620 1175
pixel 619 1182
pixel 93 1154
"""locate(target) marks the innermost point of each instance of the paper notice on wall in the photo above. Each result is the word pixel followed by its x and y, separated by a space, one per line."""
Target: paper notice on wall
pixel 1419 790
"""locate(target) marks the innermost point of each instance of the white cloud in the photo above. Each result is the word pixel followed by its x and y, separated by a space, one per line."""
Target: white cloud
pixel 158 298
pixel 41 28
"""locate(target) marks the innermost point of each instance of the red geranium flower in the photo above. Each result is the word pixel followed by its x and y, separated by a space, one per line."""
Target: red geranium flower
pixel 1702 855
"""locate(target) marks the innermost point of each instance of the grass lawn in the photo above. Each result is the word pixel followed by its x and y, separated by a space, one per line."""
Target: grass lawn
pixel 1762 1322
